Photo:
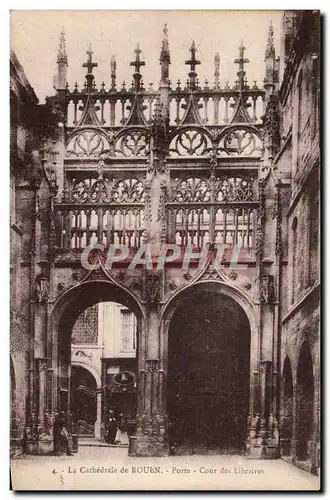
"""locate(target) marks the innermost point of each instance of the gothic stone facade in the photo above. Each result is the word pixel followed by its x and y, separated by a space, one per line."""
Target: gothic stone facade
pixel 188 164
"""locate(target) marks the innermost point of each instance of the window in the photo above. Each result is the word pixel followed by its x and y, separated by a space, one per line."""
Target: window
pixel 128 330
pixel 85 330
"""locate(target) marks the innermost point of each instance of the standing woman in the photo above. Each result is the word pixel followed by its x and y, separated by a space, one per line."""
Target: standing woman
pixel 111 428
pixel 121 435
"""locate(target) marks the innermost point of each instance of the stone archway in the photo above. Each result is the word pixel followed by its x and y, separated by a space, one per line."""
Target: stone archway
pixel 304 403
pixel 208 371
pixel 65 314
pixel 287 408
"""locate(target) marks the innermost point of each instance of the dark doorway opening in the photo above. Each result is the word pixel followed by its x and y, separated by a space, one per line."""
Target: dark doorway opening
pixel 83 400
pixel 98 327
pixel 305 402
pixel 287 409
pixel 209 375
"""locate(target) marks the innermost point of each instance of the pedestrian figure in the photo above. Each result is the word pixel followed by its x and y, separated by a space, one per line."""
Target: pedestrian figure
pixel 65 437
pixel 62 437
pixel 121 434
pixel 111 427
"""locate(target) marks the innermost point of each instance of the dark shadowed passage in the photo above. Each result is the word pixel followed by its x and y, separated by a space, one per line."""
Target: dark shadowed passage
pixel 209 364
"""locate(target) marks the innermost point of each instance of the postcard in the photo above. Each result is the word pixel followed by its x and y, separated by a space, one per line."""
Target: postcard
pixel 165 250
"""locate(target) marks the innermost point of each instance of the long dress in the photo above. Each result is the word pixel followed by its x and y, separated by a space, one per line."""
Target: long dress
pixel 121 436
pixel 112 429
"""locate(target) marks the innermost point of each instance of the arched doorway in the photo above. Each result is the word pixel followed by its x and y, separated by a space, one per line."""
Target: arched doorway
pixel 305 402
pixel 83 400
pixel 208 373
pixel 116 359
pixel 287 408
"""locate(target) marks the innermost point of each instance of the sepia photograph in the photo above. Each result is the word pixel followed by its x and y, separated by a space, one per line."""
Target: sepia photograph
pixel 165 250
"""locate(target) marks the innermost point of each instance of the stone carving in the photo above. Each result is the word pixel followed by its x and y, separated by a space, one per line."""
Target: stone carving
pixel 151 366
pixel 277 214
pixel 87 144
pixel 42 288
pixel 261 218
pixel 158 134
pixel 190 142
pixel 173 285
pixel 158 427
pixel 247 285
pixel 79 274
pixel 128 191
pixel 133 143
pixel 191 190
pixel 43 365
pixel 232 275
pixel 153 288
pixel 98 274
pixel 267 289
pixel 118 274
pixel 147 200
pixel 134 284
pixel 211 273
pixel 234 189
pixel 131 283
pixel 82 354
pixel 240 142
pixel 272 123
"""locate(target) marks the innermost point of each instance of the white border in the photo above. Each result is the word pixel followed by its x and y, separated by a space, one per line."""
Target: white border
pixel 4 184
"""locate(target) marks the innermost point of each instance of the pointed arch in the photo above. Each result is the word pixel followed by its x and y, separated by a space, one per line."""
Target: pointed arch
pixel 87 143
pixel 286 422
pixel 304 403
pixel 190 141
pixel 208 367
pixel 132 141
pixel 240 114
pixel 240 140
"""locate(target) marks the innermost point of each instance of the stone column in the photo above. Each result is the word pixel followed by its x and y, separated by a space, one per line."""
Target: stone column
pixel 151 420
pixel 98 416
pixel 31 443
pixel 45 434
pixel 151 423
pixel 263 434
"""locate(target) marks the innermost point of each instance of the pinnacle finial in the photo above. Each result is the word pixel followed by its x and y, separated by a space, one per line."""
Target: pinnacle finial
pixel 89 64
pixel 113 67
pixel 192 62
pixel 241 61
pixel 216 69
pixel 270 47
pixel 137 65
pixel 62 55
pixel 165 52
